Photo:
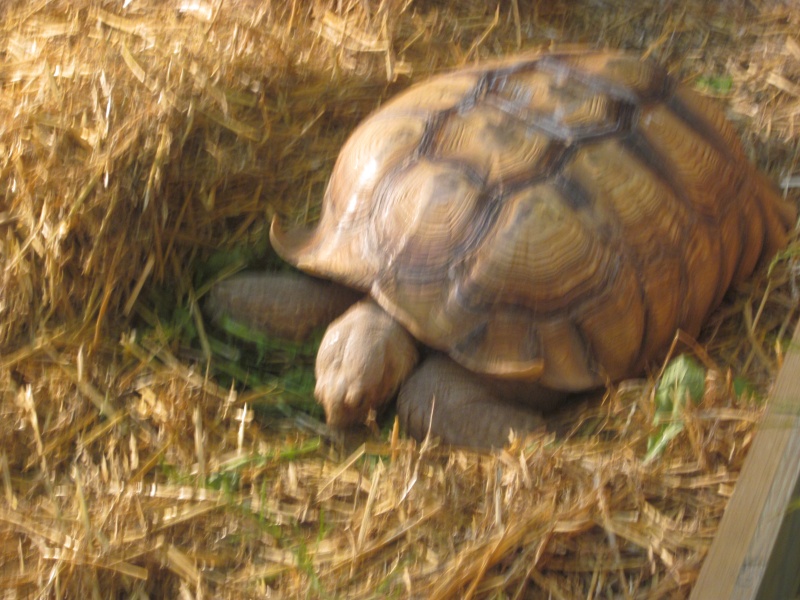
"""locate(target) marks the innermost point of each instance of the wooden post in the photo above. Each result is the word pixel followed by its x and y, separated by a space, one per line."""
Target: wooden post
pixel 756 552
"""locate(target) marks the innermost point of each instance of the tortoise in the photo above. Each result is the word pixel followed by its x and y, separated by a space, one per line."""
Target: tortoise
pixel 536 226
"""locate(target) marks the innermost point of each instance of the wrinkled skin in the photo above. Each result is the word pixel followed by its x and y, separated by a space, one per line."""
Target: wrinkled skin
pixel 462 408
pixel 290 306
pixel 366 356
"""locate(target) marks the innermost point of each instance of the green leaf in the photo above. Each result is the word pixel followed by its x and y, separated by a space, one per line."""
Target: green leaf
pixel 716 84
pixel 683 379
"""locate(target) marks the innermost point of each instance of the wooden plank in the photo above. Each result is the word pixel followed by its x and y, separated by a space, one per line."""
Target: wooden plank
pixel 756 552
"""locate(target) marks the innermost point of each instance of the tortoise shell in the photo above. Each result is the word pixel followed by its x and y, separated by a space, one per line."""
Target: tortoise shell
pixel 554 217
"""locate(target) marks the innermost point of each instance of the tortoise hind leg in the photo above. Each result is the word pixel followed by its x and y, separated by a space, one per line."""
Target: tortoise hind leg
pixel 288 305
pixel 466 409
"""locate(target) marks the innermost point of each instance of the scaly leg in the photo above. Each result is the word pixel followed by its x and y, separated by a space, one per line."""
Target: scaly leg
pixel 287 305
pixel 363 358
pixel 465 409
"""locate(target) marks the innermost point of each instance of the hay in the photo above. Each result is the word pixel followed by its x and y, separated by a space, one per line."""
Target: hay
pixel 137 138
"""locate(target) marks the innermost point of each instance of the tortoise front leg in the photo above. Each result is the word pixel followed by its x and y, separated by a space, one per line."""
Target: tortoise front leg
pixel 364 355
pixel 363 358
pixel 287 305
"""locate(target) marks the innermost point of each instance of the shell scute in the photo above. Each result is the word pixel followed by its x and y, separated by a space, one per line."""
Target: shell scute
pixel 616 74
pixel 561 108
pixel 496 146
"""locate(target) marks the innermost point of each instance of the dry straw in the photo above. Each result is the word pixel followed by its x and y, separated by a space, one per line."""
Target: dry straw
pixel 137 137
